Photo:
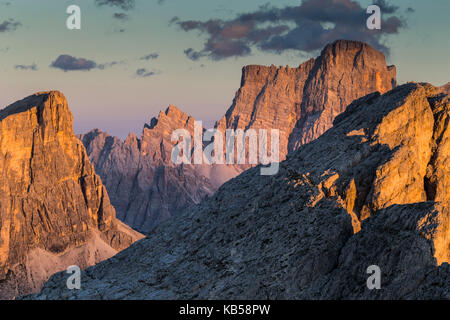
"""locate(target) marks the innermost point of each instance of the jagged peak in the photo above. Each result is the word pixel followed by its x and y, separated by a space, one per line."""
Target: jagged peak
pixel 38 99
pixel 172 114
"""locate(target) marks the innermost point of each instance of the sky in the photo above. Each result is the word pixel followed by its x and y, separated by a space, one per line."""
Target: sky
pixel 132 58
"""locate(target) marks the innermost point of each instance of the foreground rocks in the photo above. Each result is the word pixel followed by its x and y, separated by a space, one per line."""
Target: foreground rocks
pixel 54 210
pixel 373 190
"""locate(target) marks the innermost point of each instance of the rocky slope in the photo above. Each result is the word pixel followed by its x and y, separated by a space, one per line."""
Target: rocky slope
pixel 373 190
pixel 145 186
pixel 303 102
pixel 54 210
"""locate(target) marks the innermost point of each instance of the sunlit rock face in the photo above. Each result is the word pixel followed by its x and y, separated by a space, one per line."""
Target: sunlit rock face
pixel 303 102
pixel 146 188
pixel 54 210
pixel 372 190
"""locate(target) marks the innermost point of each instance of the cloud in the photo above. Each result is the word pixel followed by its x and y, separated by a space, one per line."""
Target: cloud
pixel 306 28
pixel 385 7
pixel 194 55
pixel 31 67
pixel 121 16
pixel 106 65
pixel 151 56
pixel 9 25
pixel 144 73
pixel 122 4
pixel 66 63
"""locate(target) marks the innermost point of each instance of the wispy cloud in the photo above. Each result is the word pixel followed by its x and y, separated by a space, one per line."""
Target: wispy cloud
pixel 9 25
pixel 106 65
pixel 144 73
pixel 307 27
pixel 31 67
pixel 121 16
pixel 122 4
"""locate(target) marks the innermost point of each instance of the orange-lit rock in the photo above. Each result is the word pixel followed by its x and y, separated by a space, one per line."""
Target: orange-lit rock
pixel 54 210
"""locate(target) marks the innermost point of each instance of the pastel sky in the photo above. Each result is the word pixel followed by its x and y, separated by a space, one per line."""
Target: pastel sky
pixel 138 59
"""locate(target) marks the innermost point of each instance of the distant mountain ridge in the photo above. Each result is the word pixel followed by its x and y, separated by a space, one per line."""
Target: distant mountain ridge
pixel 146 188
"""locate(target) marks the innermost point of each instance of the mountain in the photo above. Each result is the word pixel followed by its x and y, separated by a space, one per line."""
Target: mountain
pixel 145 186
pixel 303 102
pixel 372 190
pixel 54 210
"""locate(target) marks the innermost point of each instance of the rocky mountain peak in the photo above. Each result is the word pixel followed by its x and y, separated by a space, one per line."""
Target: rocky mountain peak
pixel 53 207
pixel 302 102
pixel 147 186
pixel 372 190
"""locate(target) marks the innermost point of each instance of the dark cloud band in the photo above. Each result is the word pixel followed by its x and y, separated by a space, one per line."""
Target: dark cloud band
pixel 306 27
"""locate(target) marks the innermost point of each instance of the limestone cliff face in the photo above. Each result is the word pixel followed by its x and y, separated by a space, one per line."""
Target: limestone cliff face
pixel 372 190
pixel 51 200
pixel 303 102
pixel 145 186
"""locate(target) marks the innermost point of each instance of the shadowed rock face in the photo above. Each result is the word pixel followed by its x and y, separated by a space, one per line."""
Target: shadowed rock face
pixel 54 210
pixel 145 186
pixel 372 190
pixel 303 102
